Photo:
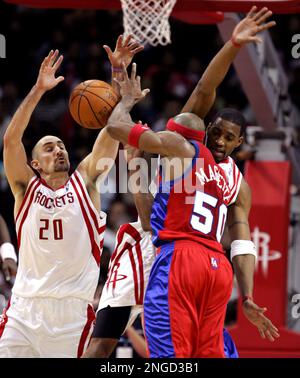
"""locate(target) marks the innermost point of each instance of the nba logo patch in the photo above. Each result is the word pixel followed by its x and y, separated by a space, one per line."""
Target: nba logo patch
pixel 214 263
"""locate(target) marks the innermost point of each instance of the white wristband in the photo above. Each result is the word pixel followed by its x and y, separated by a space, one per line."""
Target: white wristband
pixel 242 247
pixel 7 251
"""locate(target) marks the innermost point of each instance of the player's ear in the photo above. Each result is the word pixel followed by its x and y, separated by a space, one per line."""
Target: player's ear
pixel 240 141
pixel 208 126
pixel 35 164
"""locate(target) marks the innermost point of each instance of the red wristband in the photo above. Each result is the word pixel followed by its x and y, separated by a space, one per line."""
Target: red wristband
pixel 246 297
pixel 235 44
pixel 135 134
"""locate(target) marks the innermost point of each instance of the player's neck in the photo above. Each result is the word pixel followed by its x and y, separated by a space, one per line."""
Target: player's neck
pixel 55 180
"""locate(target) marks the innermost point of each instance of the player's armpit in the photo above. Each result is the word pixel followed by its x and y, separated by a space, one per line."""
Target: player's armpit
pixel 101 159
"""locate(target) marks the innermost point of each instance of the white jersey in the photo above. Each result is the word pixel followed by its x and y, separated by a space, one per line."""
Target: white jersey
pixel 234 178
pixel 60 237
pixel 129 267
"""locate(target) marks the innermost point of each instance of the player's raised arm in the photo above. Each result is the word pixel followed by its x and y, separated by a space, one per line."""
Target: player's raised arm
pixel 15 161
pixel 137 135
pixel 105 146
pixel 203 96
pixel 243 260
pixel 125 50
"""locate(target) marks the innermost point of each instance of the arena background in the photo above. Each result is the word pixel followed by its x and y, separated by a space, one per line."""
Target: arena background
pixel 171 73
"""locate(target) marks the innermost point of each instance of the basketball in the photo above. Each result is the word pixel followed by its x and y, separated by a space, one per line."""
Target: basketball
pixel 92 102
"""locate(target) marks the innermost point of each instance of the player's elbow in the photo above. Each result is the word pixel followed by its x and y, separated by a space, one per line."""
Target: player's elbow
pixel 112 129
pixel 205 88
pixel 8 139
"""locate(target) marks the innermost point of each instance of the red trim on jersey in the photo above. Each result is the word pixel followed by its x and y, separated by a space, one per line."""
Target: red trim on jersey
pixel 4 318
pixel 101 244
pixel 19 231
pixel 49 187
pixel 92 212
pixel 141 270
pixel 236 174
pixel 95 249
pixel 135 277
pixel 25 198
pixel 130 230
pixel 90 319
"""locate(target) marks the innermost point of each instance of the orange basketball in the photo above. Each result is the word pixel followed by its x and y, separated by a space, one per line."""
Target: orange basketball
pixel 92 102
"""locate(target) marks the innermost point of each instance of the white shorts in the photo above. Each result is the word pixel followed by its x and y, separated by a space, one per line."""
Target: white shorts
pixel 129 268
pixel 47 327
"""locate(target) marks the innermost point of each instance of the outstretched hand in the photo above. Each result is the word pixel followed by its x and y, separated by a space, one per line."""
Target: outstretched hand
pixel 46 79
pixel 255 22
pixel 256 316
pixel 124 51
pixel 130 88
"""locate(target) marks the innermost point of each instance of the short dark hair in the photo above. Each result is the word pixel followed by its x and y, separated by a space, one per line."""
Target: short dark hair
pixel 234 116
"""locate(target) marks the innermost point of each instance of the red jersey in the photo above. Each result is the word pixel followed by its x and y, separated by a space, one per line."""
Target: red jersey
pixel 193 206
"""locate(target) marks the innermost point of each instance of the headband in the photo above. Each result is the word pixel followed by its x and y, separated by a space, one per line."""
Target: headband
pixel 186 132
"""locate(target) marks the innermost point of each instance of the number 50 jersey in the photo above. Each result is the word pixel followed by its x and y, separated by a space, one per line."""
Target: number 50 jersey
pixel 60 237
pixel 194 206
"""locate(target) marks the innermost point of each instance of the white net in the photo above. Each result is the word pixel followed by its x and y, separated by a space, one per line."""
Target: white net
pixel 148 20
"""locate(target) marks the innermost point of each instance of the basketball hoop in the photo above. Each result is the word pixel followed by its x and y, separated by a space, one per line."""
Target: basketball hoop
pixel 148 20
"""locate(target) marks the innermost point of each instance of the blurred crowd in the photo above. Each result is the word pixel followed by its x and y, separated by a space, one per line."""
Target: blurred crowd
pixel 171 72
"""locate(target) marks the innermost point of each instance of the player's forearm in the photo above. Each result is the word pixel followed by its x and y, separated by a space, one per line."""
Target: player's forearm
pixel 119 126
pixel 103 155
pixel 121 112
pixel 4 233
pixel 203 96
pixel 21 118
pixel 244 266
pixel 143 199
pixel 217 69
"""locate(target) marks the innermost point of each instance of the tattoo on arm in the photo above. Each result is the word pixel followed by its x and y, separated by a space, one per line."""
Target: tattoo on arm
pixel 236 222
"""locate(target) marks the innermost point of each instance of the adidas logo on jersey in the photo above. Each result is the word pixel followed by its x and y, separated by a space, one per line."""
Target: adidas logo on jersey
pixel 214 263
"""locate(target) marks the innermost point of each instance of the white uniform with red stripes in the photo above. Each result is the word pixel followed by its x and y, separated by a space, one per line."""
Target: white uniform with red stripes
pixel 60 236
pixel 129 269
pixel 234 177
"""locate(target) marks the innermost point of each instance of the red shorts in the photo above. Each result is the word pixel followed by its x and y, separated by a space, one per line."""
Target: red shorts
pixel 185 302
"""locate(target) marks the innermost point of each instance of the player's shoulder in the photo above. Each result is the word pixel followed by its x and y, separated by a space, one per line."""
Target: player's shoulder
pixel 204 152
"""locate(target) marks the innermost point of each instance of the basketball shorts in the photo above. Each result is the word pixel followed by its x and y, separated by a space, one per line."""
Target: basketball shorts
pixel 185 301
pixel 46 327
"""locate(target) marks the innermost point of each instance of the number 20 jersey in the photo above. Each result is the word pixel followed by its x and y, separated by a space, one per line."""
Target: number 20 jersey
pixel 194 206
pixel 60 237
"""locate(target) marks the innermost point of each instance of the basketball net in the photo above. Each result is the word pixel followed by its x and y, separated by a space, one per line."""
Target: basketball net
pixel 148 20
